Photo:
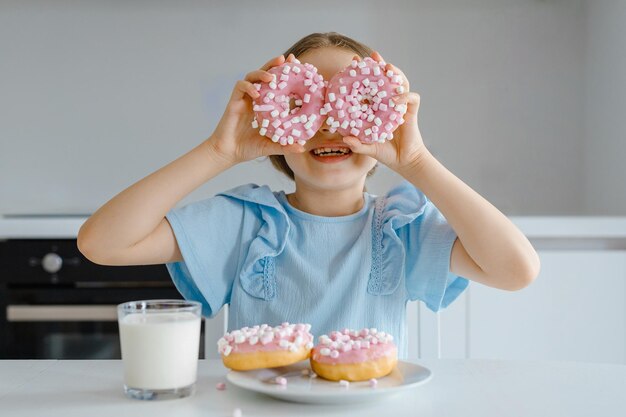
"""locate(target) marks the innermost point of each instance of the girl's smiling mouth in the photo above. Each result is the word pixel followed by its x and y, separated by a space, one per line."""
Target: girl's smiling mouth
pixel 331 153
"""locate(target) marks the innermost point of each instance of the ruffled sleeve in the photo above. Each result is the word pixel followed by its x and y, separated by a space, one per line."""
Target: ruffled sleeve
pixel 228 238
pixel 412 242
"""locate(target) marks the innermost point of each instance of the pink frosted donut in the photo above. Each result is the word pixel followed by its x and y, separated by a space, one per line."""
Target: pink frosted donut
pixel 265 346
pixel 352 355
pixel 288 108
pixel 360 101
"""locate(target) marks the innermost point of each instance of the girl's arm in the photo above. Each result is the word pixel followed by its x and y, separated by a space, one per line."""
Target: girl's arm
pixel 489 249
pixel 131 228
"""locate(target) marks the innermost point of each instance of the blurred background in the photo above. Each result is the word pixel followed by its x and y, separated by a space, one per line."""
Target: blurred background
pixel 522 99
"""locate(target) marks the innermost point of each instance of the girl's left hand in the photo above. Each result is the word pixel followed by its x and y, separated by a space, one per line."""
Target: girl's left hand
pixel 407 147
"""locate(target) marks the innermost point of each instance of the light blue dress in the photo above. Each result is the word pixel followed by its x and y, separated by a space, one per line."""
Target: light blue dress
pixel 249 248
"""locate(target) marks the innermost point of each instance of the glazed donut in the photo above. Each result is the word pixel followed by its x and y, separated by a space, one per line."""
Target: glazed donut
pixel 352 355
pixel 265 346
pixel 359 101
pixel 288 108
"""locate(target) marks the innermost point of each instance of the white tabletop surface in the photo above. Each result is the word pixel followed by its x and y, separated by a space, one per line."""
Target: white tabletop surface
pixel 459 388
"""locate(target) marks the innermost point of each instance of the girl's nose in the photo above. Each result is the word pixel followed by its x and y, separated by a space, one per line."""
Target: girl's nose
pixel 325 129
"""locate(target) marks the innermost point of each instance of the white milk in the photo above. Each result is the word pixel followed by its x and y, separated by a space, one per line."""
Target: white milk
pixel 160 350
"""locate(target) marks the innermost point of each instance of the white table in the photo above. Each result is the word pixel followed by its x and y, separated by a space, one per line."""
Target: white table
pixel 459 388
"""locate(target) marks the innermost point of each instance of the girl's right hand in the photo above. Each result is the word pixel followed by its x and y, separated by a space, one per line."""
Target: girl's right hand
pixel 234 139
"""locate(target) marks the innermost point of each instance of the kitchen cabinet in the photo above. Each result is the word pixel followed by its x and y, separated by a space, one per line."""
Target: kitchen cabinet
pixel 574 311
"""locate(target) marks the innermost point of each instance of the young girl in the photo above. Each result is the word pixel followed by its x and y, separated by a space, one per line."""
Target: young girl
pixel 329 254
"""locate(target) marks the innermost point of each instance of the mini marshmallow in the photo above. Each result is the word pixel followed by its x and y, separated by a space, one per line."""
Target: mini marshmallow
pixel 255 124
pixel 286 69
pixel 344 383
pixel 343 89
pixel 265 123
pixel 220 386
pixel 306 98
pixel 262 131
pixel 331 97
pixel 281 380
pixel 274 113
pixel 352 73
pixel 297 133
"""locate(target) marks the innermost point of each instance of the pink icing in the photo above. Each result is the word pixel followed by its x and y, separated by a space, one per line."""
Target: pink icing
pixel 293 82
pixel 265 338
pixel 351 346
pixel 361 106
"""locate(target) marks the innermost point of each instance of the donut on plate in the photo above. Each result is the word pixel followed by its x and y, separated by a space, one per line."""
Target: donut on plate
pixel 360 101
pixel 352 355
pixel 288 108
pixel 265 346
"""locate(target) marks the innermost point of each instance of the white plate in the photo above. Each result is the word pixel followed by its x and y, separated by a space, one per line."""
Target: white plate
pixel 304 389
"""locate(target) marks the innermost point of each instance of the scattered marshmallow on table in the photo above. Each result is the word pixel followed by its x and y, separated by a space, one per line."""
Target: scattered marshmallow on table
pixel 220 386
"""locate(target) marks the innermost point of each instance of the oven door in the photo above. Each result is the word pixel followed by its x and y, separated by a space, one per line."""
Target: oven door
pixel 55 323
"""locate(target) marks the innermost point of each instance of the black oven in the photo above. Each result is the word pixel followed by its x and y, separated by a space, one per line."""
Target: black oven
pixel 56 304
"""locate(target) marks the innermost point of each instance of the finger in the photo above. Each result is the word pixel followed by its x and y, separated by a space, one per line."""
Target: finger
pixel 273 148
pixel 291 58
pixel 295 148
pixel 259 75
pixel 356 58
pixel 242 88
pixel 378 57
pixel 412 106
pixel 273 62
pixel 357 146
pixel 397 70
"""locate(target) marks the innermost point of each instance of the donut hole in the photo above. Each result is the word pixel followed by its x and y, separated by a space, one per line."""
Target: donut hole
pixel 293 107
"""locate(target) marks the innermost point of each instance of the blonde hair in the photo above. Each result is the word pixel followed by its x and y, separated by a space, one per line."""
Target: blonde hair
pixel 314 41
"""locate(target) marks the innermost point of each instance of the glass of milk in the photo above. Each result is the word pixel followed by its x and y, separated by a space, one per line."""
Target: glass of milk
pixel 160 342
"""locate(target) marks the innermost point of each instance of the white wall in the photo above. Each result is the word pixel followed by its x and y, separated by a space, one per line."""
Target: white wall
pixel 605 108
pixel 97 94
